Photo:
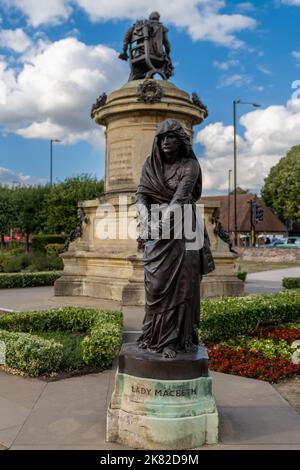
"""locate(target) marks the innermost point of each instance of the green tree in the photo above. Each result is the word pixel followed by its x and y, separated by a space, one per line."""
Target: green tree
pixel 281 190
pixel 29 202
pixel 7 212
pixel 60 206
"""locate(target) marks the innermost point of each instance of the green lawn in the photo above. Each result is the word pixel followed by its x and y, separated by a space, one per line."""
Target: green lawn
pixel 257 266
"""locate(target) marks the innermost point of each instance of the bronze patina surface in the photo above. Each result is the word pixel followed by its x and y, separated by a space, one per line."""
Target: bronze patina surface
pixel 171 176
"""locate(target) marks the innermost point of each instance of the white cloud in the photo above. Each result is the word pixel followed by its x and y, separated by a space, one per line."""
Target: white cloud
pixel 40 12
pixel 246 6
pixel 269 134
pixel 295 3
pixel 11 178
pixel 52 95
pixel 226 65
pixel 7 81
pixel 296 54
pixel 200 18
pixel 236 80
pixel 264 70
pixel 15 40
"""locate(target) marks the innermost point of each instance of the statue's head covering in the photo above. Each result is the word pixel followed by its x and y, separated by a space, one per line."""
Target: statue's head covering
pixel 174 127
pixel 152 179
pixel 154 16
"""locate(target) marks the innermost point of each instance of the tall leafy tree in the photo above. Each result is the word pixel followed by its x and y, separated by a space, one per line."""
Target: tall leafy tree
pixel 7 212
pixel 28 201
pixel 60 205
pixel 281 190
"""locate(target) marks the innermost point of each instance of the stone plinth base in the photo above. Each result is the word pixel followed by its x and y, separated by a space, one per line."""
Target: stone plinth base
pixel 221 286
pixel 121 278
pixel 105 276
pixel 150 411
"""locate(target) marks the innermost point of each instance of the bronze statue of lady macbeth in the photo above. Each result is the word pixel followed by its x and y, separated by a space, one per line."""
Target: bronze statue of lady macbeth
pixel 171 177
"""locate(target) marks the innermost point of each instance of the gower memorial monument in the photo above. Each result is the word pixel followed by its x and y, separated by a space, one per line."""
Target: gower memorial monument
pixel 109 265
pixel 163 390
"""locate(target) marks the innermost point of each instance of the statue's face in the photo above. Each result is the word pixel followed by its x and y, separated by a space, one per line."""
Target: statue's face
pixel 169 144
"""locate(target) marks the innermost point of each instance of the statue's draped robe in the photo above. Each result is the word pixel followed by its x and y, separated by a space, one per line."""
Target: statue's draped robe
pixel 172 273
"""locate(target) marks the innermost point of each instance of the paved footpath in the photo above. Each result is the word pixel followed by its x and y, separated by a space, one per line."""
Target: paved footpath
pixel 37 298
pixel 269 281
pixel 71 413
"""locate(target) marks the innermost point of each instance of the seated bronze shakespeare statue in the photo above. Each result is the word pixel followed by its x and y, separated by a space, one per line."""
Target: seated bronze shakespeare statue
pixel 149 49
pixel 171 178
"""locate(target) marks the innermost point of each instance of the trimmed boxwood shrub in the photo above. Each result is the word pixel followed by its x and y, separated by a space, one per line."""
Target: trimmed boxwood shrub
pixel 99 348
pixel 31 354
pixel 232 316
pixel 242 276
pixel 65 319
pixel 37 279
pixel 54 249
pixel 39 242
pixel 291 282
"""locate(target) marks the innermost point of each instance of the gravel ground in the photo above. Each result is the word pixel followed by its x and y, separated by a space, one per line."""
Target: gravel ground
pixel 289 389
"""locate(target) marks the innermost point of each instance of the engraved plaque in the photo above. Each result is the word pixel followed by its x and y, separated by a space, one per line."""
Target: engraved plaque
pixel 120 162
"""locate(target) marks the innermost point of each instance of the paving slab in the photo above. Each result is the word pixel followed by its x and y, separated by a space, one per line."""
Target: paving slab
pixel 253 412
pixel 8 435
pixel 71 414
pixel 23 392
pixel 43 298
pixel 12 414
pixel 17 399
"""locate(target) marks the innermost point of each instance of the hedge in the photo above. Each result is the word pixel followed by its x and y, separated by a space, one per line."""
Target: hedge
pixel 54 249
pixel 291 282
pixel 39 242
pixel 31 354
pixel 36 356
pixel 103 344
pixel 37 279
pixel 229 317
pixel 64 319
pixel 242 276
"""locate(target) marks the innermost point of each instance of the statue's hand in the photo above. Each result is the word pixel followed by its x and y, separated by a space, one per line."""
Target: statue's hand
pixel 123 56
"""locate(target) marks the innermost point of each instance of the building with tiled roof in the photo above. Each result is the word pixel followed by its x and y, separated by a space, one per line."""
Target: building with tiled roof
pixel 270 225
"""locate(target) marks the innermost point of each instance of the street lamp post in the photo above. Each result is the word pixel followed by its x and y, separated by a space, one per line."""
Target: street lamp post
pixel 229 188
pixel 255 105
pixel 51 159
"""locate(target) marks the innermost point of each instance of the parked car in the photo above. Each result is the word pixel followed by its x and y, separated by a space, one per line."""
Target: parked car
pixel 290 242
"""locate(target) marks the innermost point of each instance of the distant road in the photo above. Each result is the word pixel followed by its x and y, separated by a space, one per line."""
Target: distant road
pixel 269 281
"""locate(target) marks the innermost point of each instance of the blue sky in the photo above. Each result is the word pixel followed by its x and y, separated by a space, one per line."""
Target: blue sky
pixel 57 56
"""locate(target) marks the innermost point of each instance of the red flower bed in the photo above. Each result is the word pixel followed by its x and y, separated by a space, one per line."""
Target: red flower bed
pixel 288 334
pixel 249 364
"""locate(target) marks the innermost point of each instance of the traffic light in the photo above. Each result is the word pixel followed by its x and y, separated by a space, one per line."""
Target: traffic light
pixel 258 213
